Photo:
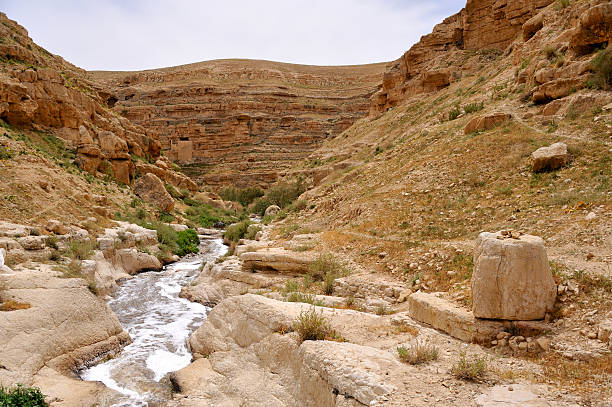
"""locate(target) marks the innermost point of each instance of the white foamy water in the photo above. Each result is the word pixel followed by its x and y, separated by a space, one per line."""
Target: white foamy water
pixel 159 322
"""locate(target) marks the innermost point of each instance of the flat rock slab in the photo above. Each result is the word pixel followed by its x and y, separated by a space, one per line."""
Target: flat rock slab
pixel 519 396
pixel 279 260
pixel 486 122
pixel 459 323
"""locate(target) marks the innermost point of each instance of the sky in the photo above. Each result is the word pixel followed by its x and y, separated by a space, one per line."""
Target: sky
pixel 146 34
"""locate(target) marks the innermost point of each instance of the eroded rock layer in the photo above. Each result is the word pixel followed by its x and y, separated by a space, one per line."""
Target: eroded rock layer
pixel 242 121
pixel 481 25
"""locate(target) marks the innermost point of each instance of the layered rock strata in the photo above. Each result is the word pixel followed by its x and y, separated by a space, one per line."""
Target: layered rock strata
pixel 241 121
pixel 481 25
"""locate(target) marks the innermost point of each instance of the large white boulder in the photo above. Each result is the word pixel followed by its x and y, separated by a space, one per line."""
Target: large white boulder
pixel 550 158
pixel 511 278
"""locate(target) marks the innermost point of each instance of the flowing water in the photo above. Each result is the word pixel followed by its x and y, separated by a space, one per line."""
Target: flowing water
pixel 159 322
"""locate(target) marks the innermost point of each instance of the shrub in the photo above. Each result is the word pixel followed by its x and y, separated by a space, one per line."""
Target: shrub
pixel 5 153
pixel 301 297
pixel 81 249
pixel 381 310
pixel 236 231
pixel 281 194
pixel 21 396
pixel 245 196
pixel 251 232
pixel 473 369
pixel 328 283
pixel 175 193
pixel 473 107
pixel 602 70
pixel 187 241
pixel 313 326
pixel 417 353
pixel 291 286
pixel 326 264
pixel 52 242
pixel 454 113
pixel 563 3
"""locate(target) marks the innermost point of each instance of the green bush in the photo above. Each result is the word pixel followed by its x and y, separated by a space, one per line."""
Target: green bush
pixel 187 241
pixel 473 107
pixel 236 231
pixel 20 396
pixel 417 353
pixel 81 250
pixel 252 232
pixel 326 264
pixel 282 194
pixel 602 70
pixel 454 113
pixel 245 196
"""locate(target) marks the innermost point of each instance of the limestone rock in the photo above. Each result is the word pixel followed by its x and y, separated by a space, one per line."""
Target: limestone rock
pixel 65 327
pixel 132 261
pixel 513 395
pixel 532 26
pixel 442 314
pixel 278 260
pixel 486 122
pixel 550 158
pixel 32 242
pixel 272 210
pixel 511 278
pixel 56 227
pixel 150 188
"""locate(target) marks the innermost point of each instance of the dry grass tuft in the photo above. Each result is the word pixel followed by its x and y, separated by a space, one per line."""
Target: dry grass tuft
pixel 418 353
pixel 470 370
pixel 12 305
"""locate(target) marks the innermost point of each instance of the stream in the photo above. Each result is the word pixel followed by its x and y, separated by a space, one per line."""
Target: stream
pixel 159 322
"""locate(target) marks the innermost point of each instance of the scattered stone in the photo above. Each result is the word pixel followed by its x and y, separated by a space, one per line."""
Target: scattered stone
pixel 511 278
pixel 543 343
pixel 590 216
pixel 55 226
pixel 550 158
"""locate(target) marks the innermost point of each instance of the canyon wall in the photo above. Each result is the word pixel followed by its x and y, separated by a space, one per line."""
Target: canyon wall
pixel 426 67
pixel 40 91
pixel 241 122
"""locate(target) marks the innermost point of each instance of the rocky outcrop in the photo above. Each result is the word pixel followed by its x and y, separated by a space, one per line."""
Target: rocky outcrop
pixel 486 122
pixel 594 28
pixel 549 158
pixel 511 278
pixel 241 121
pixel 278 260
pixel 150 188
pixel 481 25
pixel 65 327
pixel 43 92
pixel 250 360
pixel 133 261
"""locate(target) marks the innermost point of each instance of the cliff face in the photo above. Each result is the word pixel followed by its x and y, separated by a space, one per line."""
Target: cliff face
pixel 43 92
pixel 427 66
pixel 242 122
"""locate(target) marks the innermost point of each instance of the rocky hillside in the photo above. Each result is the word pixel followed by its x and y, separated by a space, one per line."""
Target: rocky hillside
pixel 42 92
pixel 241 121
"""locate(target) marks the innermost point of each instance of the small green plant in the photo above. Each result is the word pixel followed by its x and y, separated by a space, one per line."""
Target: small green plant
pixel 471 370
pixel 52 242
pixel 81 249
pixel 454 113
pixel 6 154
pixel 563 3
pixel 473 107
pixel 418 353
pixel 252 232
pixel 187 241
pixel 328 283
pixel 326 264
pixel 381 310
pixel 291 286
pixel 313 326
pixel 236 231
pixel 602 70
pixel 21 396
pixel 245 196
pixel 301 297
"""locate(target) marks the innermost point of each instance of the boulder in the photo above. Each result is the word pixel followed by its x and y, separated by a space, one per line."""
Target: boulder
pixel 532 26
pixel 33 242
pixel 595 27
pixel 132 261
pixel 272 210
pixel 150 188
pixel 3 268
pixel 511 278
pixel 278 260
pixel 550 158
pixel 486 122
pixel 604 332
pixel 55 226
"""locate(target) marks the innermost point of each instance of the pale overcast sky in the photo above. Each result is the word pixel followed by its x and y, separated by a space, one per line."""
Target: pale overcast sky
pixel 143 34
